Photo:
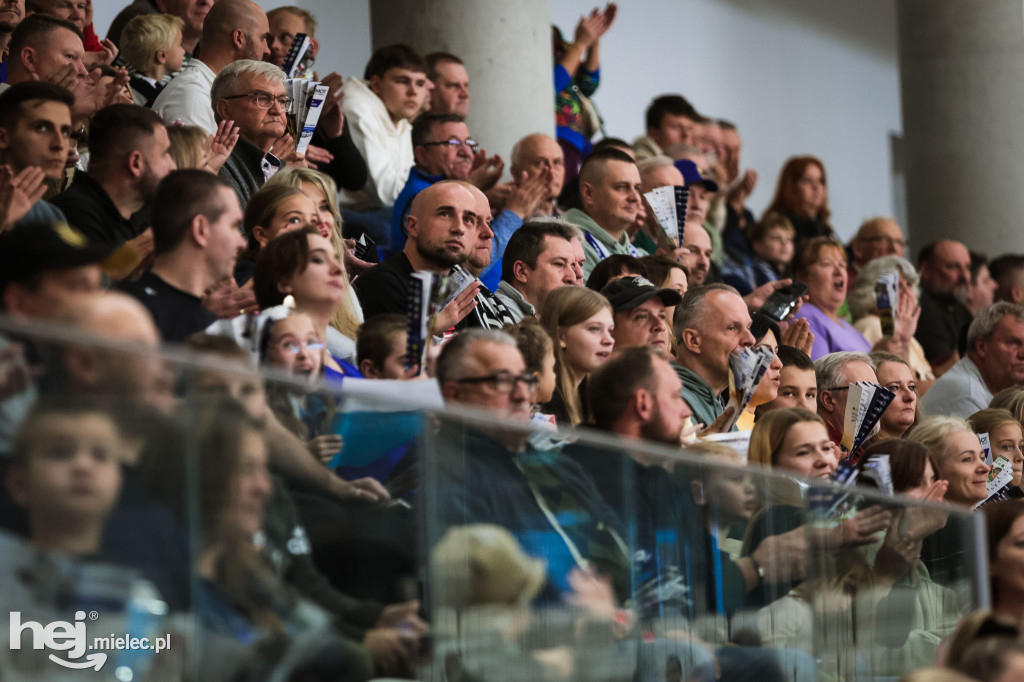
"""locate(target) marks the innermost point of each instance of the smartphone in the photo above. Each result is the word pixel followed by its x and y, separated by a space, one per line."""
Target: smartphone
pixel 780 304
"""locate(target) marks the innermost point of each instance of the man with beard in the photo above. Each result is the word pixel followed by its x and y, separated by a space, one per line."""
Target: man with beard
pixel 233 30
pixel 945 268
pixel 130 155
pixel 442 227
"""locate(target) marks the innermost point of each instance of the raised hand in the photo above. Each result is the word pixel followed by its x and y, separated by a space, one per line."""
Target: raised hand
pixel 21 192
pixel 222 143
pixel 332 118
pixel 456 310
pixel 798 334
pixel 527 194
pixel 486 175
pixel 325 447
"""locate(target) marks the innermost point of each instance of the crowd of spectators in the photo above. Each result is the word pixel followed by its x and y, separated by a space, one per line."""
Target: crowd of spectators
pixel 152 197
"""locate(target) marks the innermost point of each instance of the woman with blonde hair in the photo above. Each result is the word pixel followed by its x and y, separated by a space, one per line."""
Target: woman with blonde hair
pixel 957 456
pixel 895 374
pixel 580 322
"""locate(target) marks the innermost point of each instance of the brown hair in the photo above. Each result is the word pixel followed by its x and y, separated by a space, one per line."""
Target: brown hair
pixel 284 256
pixel 533 342
pixel 811 252
pixel 770 431
pixel 785 199
pixel 907 461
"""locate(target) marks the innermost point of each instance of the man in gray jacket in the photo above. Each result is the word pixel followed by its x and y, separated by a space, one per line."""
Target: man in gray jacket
pixel 538 259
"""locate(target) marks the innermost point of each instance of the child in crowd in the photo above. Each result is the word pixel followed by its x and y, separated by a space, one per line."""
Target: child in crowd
pixel 152 43
pixel 798 386
pixel 772 242
pixel 380 347
pixel 66 473
pixel 539 355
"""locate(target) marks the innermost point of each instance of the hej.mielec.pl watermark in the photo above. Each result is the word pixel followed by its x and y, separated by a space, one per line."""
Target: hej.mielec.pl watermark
pixel 71 637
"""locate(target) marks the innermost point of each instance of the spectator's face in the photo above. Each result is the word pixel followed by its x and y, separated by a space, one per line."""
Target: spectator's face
pixel 63 48
pixel 1008 566
pixel 69 10
pixel 224 240
pixel 730 494
pixel 948 273
pixel 962 463
pixel 797 388
pixel 403 92
pixel 614 199
pixel 731 149
pixel 725 327
pixel 294 212
pixel 697 204
pixel 579 259
pixel 258 126
pixel 283 30
pixel 982 292
pixel 776 247
pixel 810 191
pixel 1000 356
pixel 73 469
pixel 41 138
pixel 158 162
pixel 807 451
pixel 884 238
pixel 674 130
pixel 768 389
pixel 588 345
pixel 451 90
pixel 853 371
pixel 443 225
pixel 698 260
pixel 192 12
pixel 644 325
pixel 480 256
pixel 11 14
pixel 900 414
pixel 296 347
pixel 325 215
pixel 826 279
pixel 175 54
pixel 323 280
pixel 394 363
pixel 546 379
pixel 1007 440
pixel 250 487
pixel 541 156
pixel 554 269
pixel 670 411
pixel 56 291
pixel 451 161
pixel 511 399
pixel 257 39
pixel 241 387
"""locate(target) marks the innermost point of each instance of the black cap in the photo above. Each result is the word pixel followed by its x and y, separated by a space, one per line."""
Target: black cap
pixel 627 293
pixel 36 247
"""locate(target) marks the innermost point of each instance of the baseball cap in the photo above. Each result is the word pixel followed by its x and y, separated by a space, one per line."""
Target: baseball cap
pixel 35 247
pixel 691 175
pixel 627 293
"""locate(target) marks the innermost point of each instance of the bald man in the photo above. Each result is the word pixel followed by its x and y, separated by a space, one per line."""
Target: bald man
pixel 539 155
pixel 442 227
pixel 876 238
pixel 233 30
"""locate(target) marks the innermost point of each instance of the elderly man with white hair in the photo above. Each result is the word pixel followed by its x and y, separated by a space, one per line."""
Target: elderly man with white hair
pixel 252 94
pixel 834 374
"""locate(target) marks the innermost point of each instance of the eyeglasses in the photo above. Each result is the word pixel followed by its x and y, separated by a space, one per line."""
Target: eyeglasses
pixel 470 144
pixel 503 382
pixel 884 238
pixel 264 100
pixel 295 348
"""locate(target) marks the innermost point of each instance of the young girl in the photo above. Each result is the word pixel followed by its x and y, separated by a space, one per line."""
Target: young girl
pixel 580 323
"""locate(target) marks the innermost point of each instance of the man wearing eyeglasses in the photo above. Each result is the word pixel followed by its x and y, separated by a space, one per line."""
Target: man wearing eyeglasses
pixel 876 238
pixel 834 373
pixel 497 477
pixel 252 94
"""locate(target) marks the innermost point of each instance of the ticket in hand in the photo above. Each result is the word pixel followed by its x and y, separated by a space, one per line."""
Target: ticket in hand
pixel 887 295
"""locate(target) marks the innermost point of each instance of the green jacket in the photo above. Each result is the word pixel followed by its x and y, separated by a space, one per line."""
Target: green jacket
pixel 704 403
pixel 587 224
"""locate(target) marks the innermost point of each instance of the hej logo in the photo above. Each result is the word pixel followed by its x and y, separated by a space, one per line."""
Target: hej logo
pixel 59 636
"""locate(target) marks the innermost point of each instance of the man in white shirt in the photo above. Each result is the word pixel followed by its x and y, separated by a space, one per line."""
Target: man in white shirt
pixel 233 30
pixel 994 361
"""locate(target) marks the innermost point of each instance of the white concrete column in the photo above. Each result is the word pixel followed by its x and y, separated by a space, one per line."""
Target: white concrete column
pixel 506 47
pixel 962 82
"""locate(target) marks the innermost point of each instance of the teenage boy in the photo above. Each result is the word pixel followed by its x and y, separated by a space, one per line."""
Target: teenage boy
pixel 797 384
pixel 379 109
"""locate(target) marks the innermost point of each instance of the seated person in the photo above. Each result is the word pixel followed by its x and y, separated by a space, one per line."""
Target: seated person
pixel 379 109
pixel 797 384
pixel 771 241
pixel 151 43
